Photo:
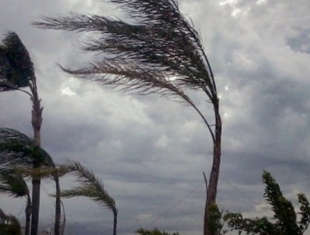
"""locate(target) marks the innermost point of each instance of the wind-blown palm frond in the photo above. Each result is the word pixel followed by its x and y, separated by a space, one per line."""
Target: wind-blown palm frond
pixel 159 51
pixel 162 41
pixel 146 58
pixel 13 184
pixel 16 67
pixel 16 72
pixel 92 188
pixel 19 149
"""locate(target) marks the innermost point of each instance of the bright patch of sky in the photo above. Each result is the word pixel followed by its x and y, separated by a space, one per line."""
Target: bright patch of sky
pixel 67 91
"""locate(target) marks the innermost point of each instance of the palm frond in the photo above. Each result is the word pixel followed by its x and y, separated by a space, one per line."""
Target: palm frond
pixel 13 184
pixel 118 73
pixel 161 40
pixel 91 187
pixel 42 172
pixel 16 67
pixel 19 149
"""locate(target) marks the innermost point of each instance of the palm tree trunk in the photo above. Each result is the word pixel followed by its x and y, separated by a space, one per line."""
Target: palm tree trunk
pixel 215 170
pixel 36 125
pixel 36 122
pixel 114 222
pixel 28 215
pixel 57 207
pixel 35 205
pixel 63 226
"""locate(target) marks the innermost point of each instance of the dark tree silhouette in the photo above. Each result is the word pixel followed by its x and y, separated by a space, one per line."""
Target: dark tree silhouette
pixel 284 221
pixel 16 72
pixel 159 52
pixel 14 184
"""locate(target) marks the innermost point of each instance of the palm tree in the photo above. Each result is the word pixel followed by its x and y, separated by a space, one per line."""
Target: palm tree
pixel 160 52
pixel 14 184
pixel 16 72
pixel 17 149
pixel 92 188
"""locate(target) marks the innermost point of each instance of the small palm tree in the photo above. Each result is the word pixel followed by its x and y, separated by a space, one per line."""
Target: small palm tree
pixel 92 188
pixel 14 184
pixel 17 149
pixel 17 72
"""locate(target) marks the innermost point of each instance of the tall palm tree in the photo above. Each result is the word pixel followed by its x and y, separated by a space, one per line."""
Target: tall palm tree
pixel 16 72
pixel 17 149
pixel 92 188
pixel 14 184
pixel 160 52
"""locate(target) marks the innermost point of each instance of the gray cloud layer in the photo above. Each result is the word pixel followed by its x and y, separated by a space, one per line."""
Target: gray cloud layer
pixel 149 151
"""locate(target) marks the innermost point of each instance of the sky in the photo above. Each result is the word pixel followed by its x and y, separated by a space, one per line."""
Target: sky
pixel 150 151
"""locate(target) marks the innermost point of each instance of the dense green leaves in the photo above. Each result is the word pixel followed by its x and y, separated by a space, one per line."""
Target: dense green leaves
pixel 12 227
pixel 284 221
pixel 19 149
pixel 13 183
pixel 16 68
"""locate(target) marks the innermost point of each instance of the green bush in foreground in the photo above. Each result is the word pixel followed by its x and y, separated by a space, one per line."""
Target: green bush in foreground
pixel 284 221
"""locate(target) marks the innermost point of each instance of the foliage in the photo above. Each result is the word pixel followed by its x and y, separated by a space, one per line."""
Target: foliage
pixel 16 68
pixel 16 72
pixel 13 184
pixel 158 52
pixel 144 56
pixel 285 218
pixel 19 153
pixel 12 227
pixel 216 223
pixel 155 231
pixel 91 187
pixel 19 149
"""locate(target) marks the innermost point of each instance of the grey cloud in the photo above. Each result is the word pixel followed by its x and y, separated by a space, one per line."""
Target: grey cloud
pixel 149 151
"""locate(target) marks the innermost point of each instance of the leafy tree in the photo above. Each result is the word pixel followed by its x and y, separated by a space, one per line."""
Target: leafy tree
pixel 160 52
pixel 92 188
pixel 16 72
pixel 155 231
pixel 17 149
pixel 216 223
pixel 14 184
pixel 285 218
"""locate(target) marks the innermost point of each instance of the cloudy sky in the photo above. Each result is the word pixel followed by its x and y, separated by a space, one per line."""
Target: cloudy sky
pixel 149 151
